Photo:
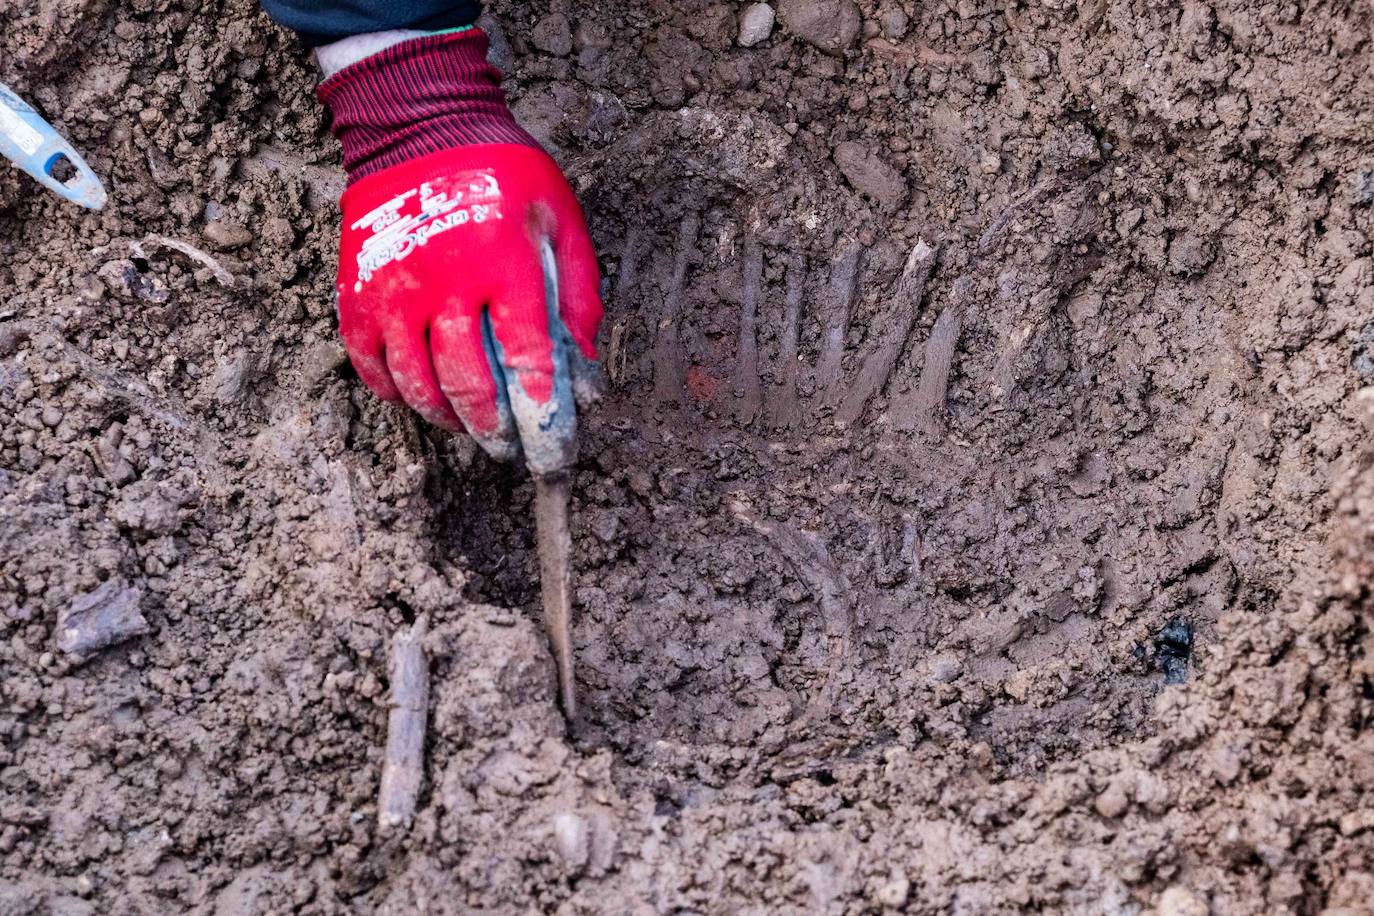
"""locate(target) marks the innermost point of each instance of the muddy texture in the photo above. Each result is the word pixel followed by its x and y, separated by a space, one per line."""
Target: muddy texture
pixel 1066 609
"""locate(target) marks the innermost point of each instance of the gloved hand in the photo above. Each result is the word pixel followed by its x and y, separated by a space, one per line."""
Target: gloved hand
pixel 468 286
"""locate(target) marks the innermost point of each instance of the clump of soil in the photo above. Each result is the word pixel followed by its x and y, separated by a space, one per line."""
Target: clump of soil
pixel 981 520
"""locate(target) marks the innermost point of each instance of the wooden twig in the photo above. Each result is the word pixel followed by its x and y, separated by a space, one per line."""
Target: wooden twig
pixel 403 769
pixel 893 333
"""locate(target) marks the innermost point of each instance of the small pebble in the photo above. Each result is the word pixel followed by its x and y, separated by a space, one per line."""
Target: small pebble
pixel 755 24
pixel 1113 801
pixel 1180 901
pixel 570 839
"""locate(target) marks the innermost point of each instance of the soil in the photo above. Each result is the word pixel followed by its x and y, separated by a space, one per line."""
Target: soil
pixel 981 519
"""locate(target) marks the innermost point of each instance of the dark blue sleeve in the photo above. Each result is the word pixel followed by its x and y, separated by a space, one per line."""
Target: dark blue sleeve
pixel 321 21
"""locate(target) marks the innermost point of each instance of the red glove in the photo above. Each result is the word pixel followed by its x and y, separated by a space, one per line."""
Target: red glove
pixel 468 286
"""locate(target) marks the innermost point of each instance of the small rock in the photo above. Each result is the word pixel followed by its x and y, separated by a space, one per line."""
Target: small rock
pixel 1174 645
pixel 871 175
pixel 895 24
pixel 829 25
pixel 1363 358
pixel 499 53
pixel 571 839
pixel 1113 800
pixel 553 35
pixel 894 892
pixel 943 668
pixel 1180 901
pixel 100 618
pixel 755 24
pixel 223 235
pixel 123 278
pixel 1363 187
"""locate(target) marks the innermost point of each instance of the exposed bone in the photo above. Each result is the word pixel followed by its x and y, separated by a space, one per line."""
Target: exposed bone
pixel 811 562
pixel 783 410
pixel 1004 372
pixel 877 368
pixel 624 284
pixel 217 270
pixel 923 411
pixel 100 618
pixel 834 316
pixel 403 769
pixel 747 362
pixel 668 369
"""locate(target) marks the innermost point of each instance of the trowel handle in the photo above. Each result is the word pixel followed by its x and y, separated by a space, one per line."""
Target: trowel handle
pixel 32 144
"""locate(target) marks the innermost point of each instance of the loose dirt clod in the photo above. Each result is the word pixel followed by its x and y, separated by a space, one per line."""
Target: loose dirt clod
pixel 99 619
pixel 403 767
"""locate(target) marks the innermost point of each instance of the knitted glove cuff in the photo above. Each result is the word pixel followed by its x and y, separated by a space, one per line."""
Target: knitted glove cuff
pixel 418 97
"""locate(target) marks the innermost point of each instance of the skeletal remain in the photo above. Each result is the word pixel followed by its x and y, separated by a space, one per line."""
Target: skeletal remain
pixel 217 270
pixel 834 316
pixel 783 410
pixel 878 366
pixel 403 768
pixel 624 283
pixel 747 363
pixel 668 368
pixel 922 412
pixel 812 563
pixel 100 618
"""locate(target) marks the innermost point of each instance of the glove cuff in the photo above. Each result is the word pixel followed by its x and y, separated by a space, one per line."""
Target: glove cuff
pixel 418 97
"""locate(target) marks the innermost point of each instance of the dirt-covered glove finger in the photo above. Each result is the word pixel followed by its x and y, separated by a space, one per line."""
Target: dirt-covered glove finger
pixel 572 260
pixel 464 354
pixel 367 354
pixel 413 374
pixel 532 345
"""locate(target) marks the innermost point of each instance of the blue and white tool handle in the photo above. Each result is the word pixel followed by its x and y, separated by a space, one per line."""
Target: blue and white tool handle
pixel 31 143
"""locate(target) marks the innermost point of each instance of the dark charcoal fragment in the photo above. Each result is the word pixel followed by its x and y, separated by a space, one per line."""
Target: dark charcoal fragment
pixel 1173 648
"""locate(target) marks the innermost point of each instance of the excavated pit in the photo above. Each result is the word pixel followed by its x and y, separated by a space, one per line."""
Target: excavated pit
pixel 979 519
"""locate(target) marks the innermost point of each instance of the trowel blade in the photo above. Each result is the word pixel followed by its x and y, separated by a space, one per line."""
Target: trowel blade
pixel 31 143
pixel 551 495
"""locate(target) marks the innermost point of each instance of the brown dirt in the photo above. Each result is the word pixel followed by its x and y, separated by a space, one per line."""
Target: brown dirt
pixel 835 655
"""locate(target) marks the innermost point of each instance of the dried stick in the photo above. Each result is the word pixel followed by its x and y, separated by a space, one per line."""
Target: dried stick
pixel 747 364
pixel 624 284
pixel 404 766
pixel 877 368
pixel 783 410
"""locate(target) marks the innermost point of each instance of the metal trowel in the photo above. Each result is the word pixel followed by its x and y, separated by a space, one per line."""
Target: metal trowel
pixel 31 143
pixel 552 492
pixel 551 496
